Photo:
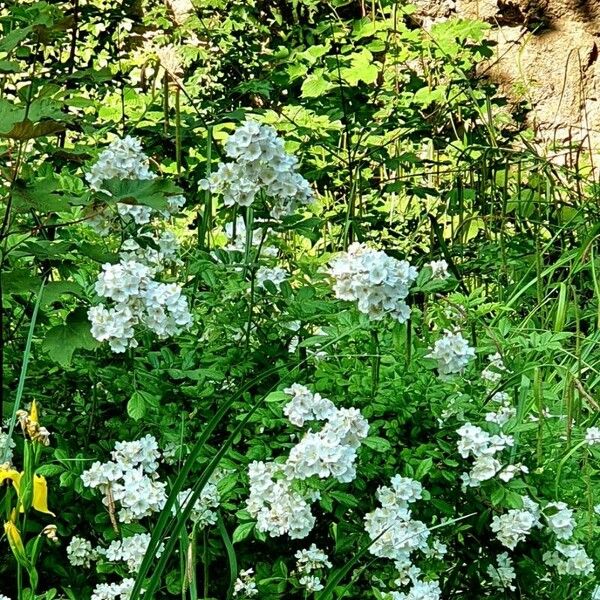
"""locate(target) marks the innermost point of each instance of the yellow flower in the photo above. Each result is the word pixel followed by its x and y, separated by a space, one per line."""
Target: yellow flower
pixel 40 488
pixel 40 495
pixel 15 542
pixel 7 473
pixel 33 413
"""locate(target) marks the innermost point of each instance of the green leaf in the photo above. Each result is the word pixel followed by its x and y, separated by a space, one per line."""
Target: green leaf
pixel 277 397
pixel 55 289
pixel 14 38
pixel 19 281
pixel 242 531
pixel 9 66
pixel 61 341
pixel 49 470
pixel 424 467
pixel 136 406
pixel 315 85
pixel 362 68
pixel 377 443
pixel 38 196
pixel 149 192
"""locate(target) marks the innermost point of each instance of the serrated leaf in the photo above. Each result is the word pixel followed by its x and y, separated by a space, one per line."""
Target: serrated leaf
pixel 149 192
pixel 19 281
pixel 39 197
pixel 136 406
pixel 362 68
pixel 61 341
pixel 55 289
pixel 315 85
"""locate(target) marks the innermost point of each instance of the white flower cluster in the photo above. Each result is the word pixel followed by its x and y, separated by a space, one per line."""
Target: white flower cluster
pixel 483 447
pixel 596 593
pixel 492 374
pixel 307 562
pixel 394 533
pixel 452 353
pixel 7 445
pixel 420 590
pixel 378 282
pixel 331 452
pixel 202 513
pixel 159 253
pixel 245 585
pixel 260 167
pixel 560 520
pixel 514 526
pixel 439 269
pixel 3 597
pixel 569 559
pixel 80 552
pixel 125 159
pixel 237 235
pixel 130 479
pixel 306 406
pixel 502 574
pixel 592 436
pixel 114 591
pixel 130 550
pixel 139 299
pixel 276 275
pixel 276 506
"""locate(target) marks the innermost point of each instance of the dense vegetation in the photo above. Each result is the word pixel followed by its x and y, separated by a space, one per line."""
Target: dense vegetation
pixel 291 307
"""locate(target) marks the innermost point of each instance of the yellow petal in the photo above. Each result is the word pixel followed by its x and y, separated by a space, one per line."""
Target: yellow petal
pixel 11 475
pixel 33 412
pixel 15 542
pixel 40 495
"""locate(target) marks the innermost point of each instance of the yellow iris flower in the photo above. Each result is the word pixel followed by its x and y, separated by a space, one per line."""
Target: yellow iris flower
pixel 40 488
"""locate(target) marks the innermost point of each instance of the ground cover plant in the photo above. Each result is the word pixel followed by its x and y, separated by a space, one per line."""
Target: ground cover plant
pixel 291 307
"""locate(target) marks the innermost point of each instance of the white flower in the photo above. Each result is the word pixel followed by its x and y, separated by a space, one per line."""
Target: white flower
pixel 80 552
pixel 513 527
pixel 311 559
pixel 439 269
pixel 306 406
pixel 202 513
pixel 7 445
pixel 131 478
pixel 596 593
pixel 275 275
pixel 592 435
pixel 260 166
pixel 378 282
pixel 245 585
pixel 139 300
pixel 421 590
pixel 492 374
pixel 560 520
pixel 452 353
pixel 569 559
pixel 114 591
pixel 394 533
pixel 130 550
pixel 274 501
pixel 503 573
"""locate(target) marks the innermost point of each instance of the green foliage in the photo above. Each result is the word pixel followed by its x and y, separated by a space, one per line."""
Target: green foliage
pixel 407 148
